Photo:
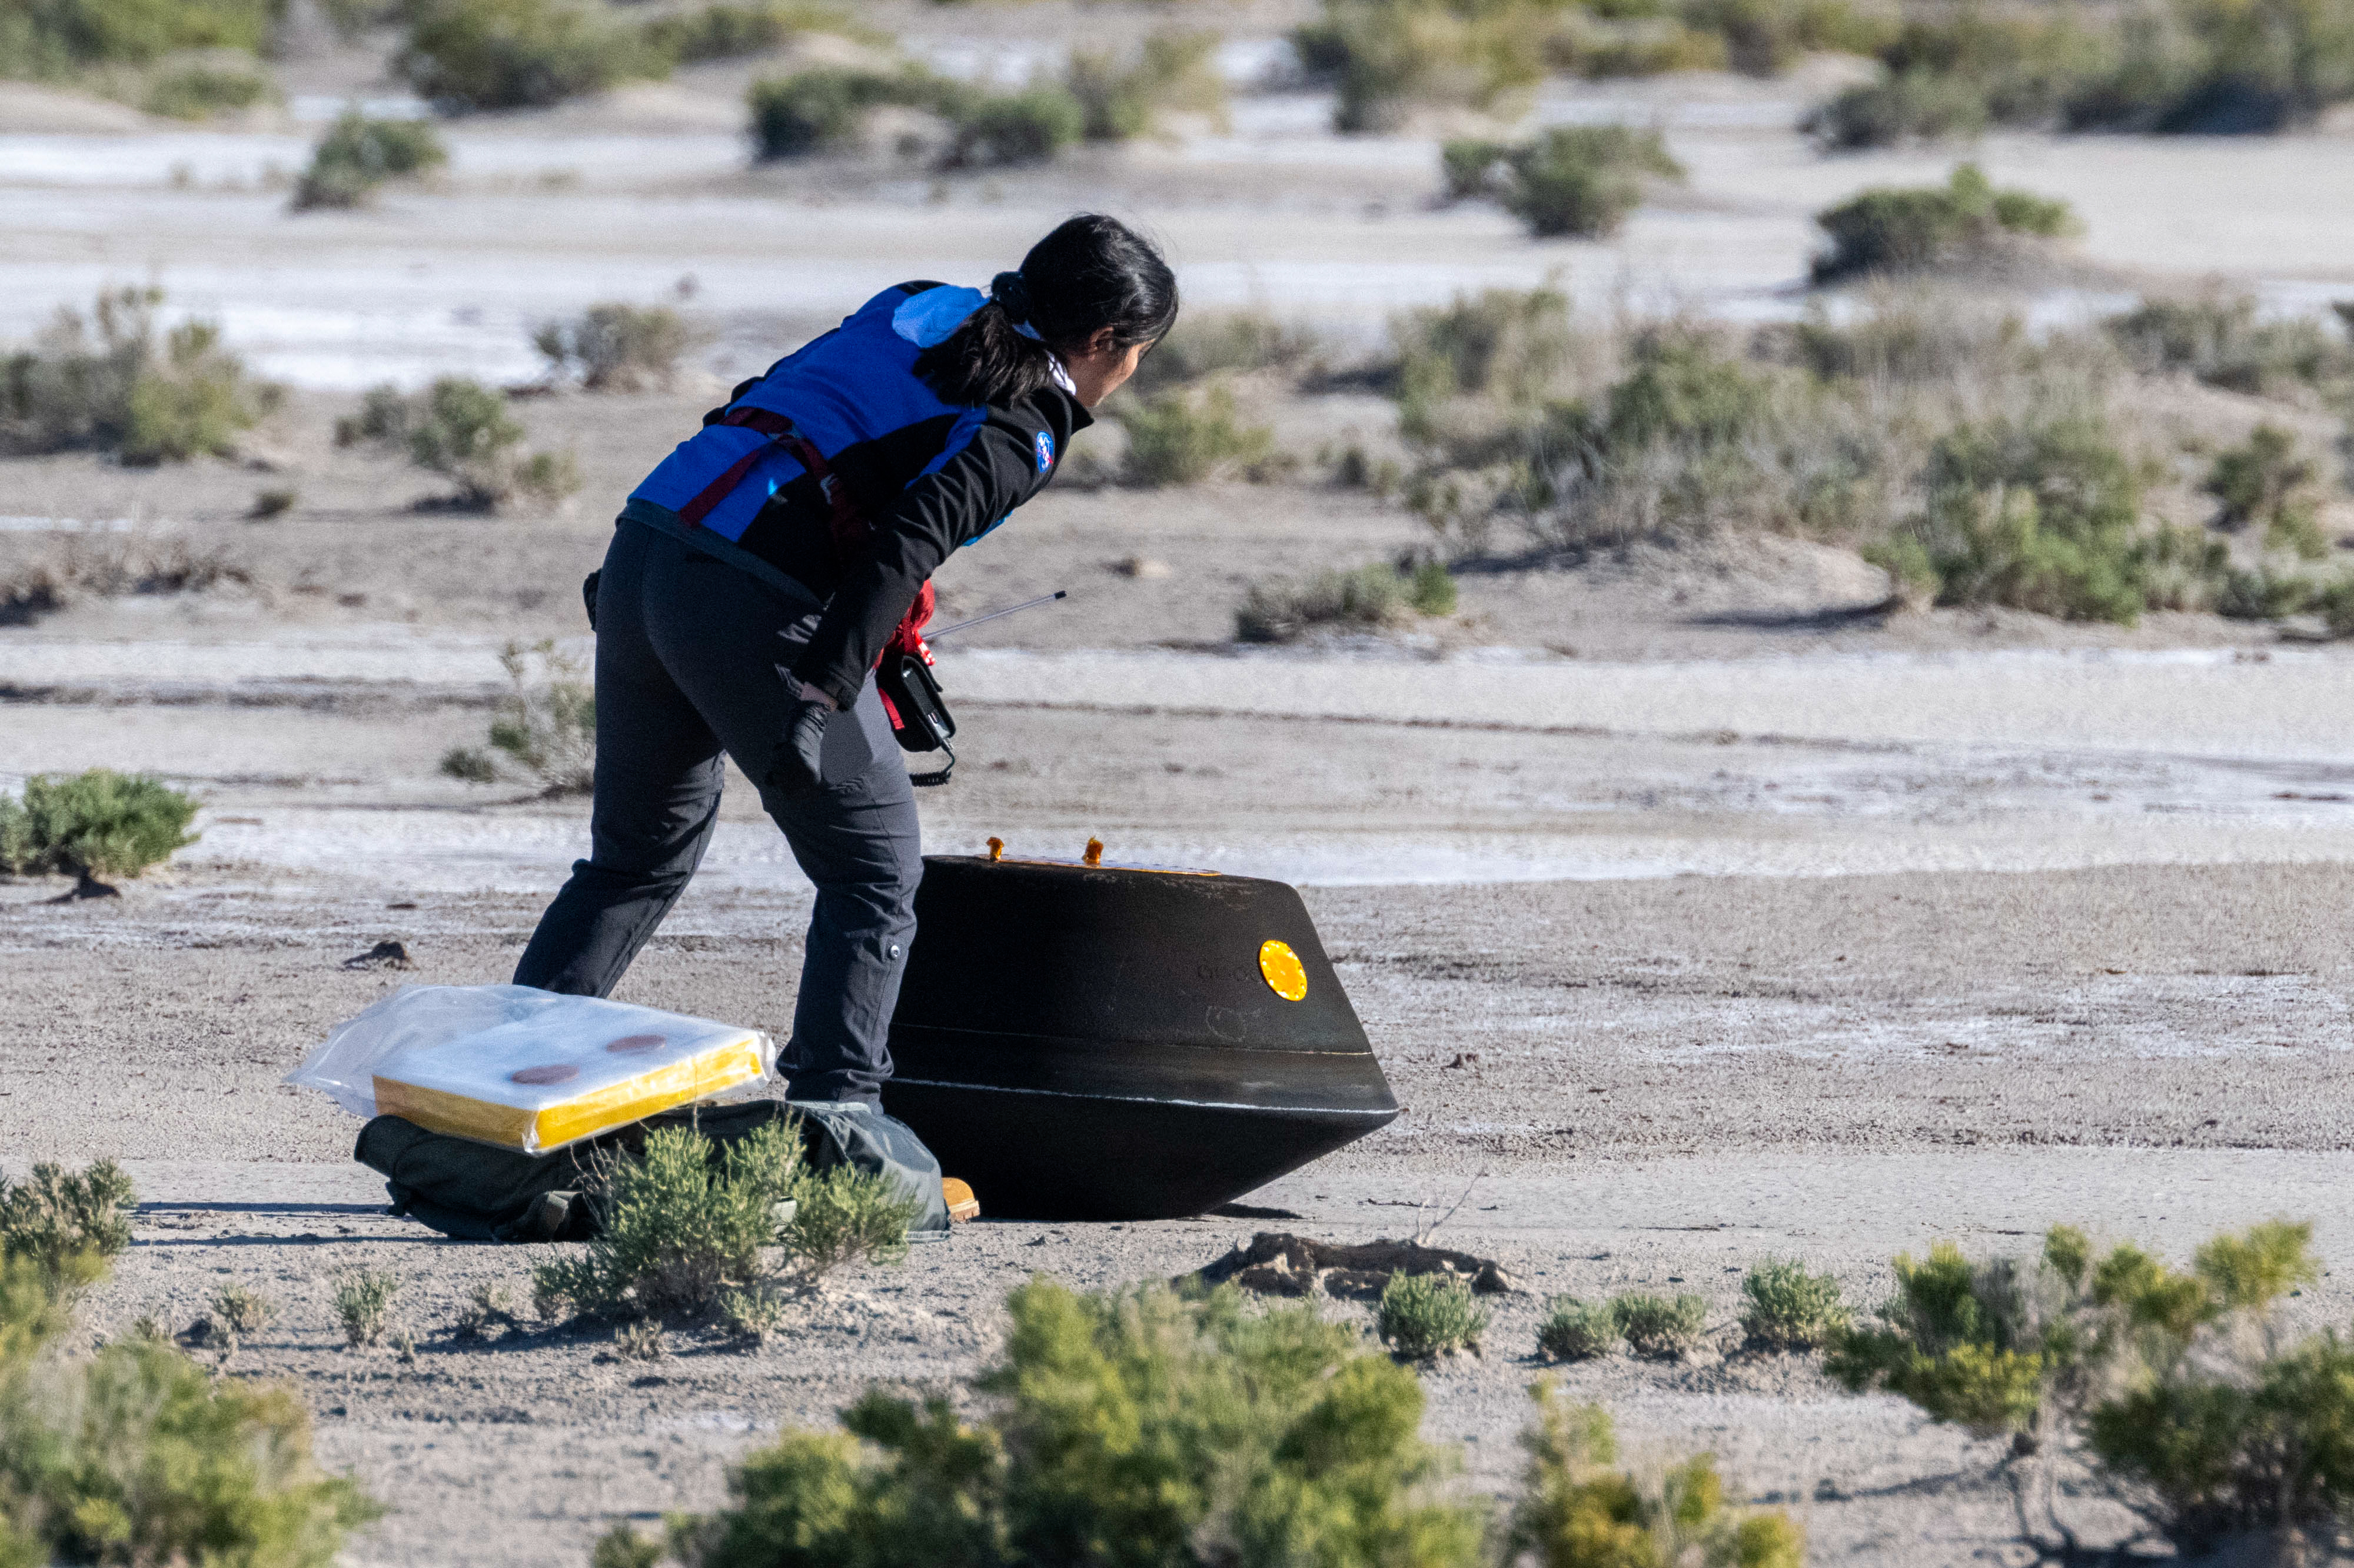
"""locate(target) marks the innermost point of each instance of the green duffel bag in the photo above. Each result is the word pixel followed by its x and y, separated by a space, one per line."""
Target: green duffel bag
pixel 476 1192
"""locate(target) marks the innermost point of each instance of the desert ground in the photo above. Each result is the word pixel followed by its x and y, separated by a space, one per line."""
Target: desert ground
pixel 1701 908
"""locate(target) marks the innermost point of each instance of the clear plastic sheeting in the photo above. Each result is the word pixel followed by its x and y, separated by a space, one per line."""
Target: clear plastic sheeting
pixel 523 1068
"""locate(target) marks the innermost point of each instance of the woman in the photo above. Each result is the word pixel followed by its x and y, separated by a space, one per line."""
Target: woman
pixel 756 578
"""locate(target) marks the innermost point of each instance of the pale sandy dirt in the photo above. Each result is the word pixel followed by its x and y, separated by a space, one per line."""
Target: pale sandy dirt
pixel 1699 913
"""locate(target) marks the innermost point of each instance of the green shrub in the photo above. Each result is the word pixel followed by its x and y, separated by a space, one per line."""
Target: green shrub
pixel 64 1223
pixel 1788 1309
pixel 517 54
pixel 1430 589
pixel 487 1306
pixel 461 430
pixel 1422 1316
pixel 1890 230
pixel 95 824
pixel 363 1303
pixel 1182 1431
pixel 2176 1389
pixel 616 347
pixel 118 389
pixel 51 39
pixel 241 1309
pixel 133 1454
pixel 1203 344
pixel 2037 516
pixel 1579 180
pixel 1576 1511
pixel 847 1215
pixel 623 1547
pixel 1004 130
pixel 2264 594
pixel 2264 480
pixel 1368 599
pixel 1766 37
pixel 358 155
pixel 1923 105
pixel 1660 1328
pixel 201 91
pixel 684 1227
pixel 1386 58
pixel 753 1315
pixel 1575 1331
pixel 545 728
pixel 822 110
pixel 1506 346
pixel 2219 339
pixel 726 30
pixel 1176 73
pixel 1183 438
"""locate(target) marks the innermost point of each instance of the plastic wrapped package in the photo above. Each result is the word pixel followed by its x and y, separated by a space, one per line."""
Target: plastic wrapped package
pixel 523 1068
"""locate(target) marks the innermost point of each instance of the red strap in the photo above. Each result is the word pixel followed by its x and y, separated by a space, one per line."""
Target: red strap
pixel 847 525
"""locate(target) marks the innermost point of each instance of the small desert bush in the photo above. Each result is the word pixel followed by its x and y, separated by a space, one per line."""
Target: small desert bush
pixel 1919 105
pixel 2219 339
pixel 1387 57
pixel 1767 37
pixel 487 1306
pixel 1366 599
pixel 1575 1331
pixel 1205 345
pixel 640 1340
pixel 1888 230
pixel 1577 1509
pixel 1660 1328
pixel 684 1226
pixel 362 1299
pixel 822 110
pixel 358 155
pixel 2264 480
pixel 133 1454
pixel 1786 1308
pixel 43 39
pixel 112 381
pixel 2177 1390
pixel 1006 130
pixel 1185 1431
pixel 846 1215
pixel 616 347
pixel 62 1221
pixel 751 1315
pixel 97 825
pixel 1175 72
pixel 241 1309
pixel 727 31
pixel 201 91
pixel 1580 180
pixel 2039 516
pixel 1183 437
pixel 544 729
pixel 94 567
pixel 517 54
pixel 1422 1316
pixel 461 430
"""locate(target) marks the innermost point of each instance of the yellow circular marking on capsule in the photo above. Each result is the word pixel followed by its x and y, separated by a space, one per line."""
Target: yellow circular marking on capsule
pixel 1285 975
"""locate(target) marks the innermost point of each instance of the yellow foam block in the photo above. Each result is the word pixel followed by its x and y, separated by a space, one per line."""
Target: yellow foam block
pixel 543 1083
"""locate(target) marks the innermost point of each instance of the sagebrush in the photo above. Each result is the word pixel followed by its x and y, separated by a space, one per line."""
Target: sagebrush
pixel 544 730
pixel 1421 1316
pixel 2176 1391
pixel 616 346
pixel 358 156
pixel 462 430
pixel 113 382
pixel 97 824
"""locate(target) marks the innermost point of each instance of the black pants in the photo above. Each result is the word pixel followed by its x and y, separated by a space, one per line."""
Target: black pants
pixel 691 655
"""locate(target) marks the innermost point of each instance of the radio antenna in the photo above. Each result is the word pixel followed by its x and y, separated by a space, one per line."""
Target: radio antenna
pixel 994 614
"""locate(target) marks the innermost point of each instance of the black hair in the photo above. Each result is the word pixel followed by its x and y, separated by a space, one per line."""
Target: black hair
pixel 1092 272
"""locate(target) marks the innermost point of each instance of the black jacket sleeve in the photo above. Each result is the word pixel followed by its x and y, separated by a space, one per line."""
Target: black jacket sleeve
pixel 1002 466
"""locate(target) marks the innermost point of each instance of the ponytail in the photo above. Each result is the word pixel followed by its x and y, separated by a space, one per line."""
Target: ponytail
pixel 1091 273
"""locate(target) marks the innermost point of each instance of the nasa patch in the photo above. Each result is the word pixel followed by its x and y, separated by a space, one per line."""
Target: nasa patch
pixel 1046 450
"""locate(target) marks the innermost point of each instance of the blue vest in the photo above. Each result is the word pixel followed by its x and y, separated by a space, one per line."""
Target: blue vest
pixel 854 384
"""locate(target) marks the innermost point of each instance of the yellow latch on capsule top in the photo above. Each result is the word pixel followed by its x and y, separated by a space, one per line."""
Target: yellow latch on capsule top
pixel 1285 975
